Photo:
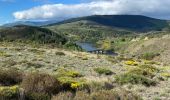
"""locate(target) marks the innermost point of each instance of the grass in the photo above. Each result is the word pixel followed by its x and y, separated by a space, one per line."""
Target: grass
pixel 98 95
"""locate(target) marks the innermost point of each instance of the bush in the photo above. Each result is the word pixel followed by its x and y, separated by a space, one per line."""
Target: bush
pixel 40 83
pixel 38 96
pixel 134 79
pixel 10 77
pixel 8 93
pixel 103 71
pixel 68 73
pixel 60 53
pixel 165 74
pixel 150 68
pixel 143 72
pixel 149 55
pixel 131 62
pixel 69 83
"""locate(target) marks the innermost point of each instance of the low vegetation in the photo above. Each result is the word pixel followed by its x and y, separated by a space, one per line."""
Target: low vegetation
pixel 103 70
pixel 149 55
pixel 134 79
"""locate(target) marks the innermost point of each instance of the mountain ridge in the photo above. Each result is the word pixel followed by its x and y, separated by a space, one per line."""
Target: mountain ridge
pixel 130 22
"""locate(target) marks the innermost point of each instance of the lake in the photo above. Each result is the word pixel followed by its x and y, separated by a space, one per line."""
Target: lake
pixel 88 47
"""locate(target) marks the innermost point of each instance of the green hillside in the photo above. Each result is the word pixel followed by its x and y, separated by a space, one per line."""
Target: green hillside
pixel 31 33
pixel 129 22
pixel 98 27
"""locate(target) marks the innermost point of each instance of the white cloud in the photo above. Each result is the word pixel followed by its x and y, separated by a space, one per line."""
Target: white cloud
pixel 153 8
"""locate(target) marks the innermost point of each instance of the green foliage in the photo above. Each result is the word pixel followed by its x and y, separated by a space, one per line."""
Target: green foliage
pixel 72 46
pixel 62 72
pixel 104 71
pixel 69 83
pixel 37 34
pixel 70 80
pixel 106 45
pixel 60 53
pixel 149 55
pixel 9 93
pixel 131 62
pixel 134 79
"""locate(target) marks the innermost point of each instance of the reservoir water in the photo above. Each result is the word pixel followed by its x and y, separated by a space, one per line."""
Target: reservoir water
pixel 88 47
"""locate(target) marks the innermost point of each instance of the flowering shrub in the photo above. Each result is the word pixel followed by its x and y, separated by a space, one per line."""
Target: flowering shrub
pixel 73 74
pixel 69 83
pixel 75 85
pixel 9 92
pixel 131 62
pixel 62 72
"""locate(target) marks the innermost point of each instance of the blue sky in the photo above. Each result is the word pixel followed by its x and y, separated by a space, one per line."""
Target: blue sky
pixel 20 10
pixel 8 7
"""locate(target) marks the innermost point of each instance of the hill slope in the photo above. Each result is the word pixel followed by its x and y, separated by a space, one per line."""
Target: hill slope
pixel 130 22
pixel 102 26
pixel 24 32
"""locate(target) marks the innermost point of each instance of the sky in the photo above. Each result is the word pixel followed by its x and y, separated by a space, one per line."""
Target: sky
pixel 42 10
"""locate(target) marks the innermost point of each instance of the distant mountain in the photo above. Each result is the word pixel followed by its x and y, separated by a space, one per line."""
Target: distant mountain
pixel 32 33
pixel 97 27
pixel 30 23
pixel 128 22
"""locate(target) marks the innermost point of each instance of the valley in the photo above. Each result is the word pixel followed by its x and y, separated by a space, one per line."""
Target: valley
pixel 55 62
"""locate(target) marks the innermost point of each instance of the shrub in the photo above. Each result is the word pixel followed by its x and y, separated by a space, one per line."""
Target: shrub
pixel 38 96
pixel 149 55
pixel 103 71
pixel 10 77
pixel 69 83
pixel 166 74
pixel 36 51
pixel 4 54
pixel 134 79
pixel 151 62
pixel 143 72
pixel 8 93
pixel 40 83
pixel 35 65
pixel 131 62
pixel 96 86
pixel 84 58
pixel 68 73
pixel 60 53
pixel 149 68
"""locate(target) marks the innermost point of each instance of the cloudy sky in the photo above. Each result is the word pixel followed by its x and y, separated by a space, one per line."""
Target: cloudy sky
pixel 14 10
